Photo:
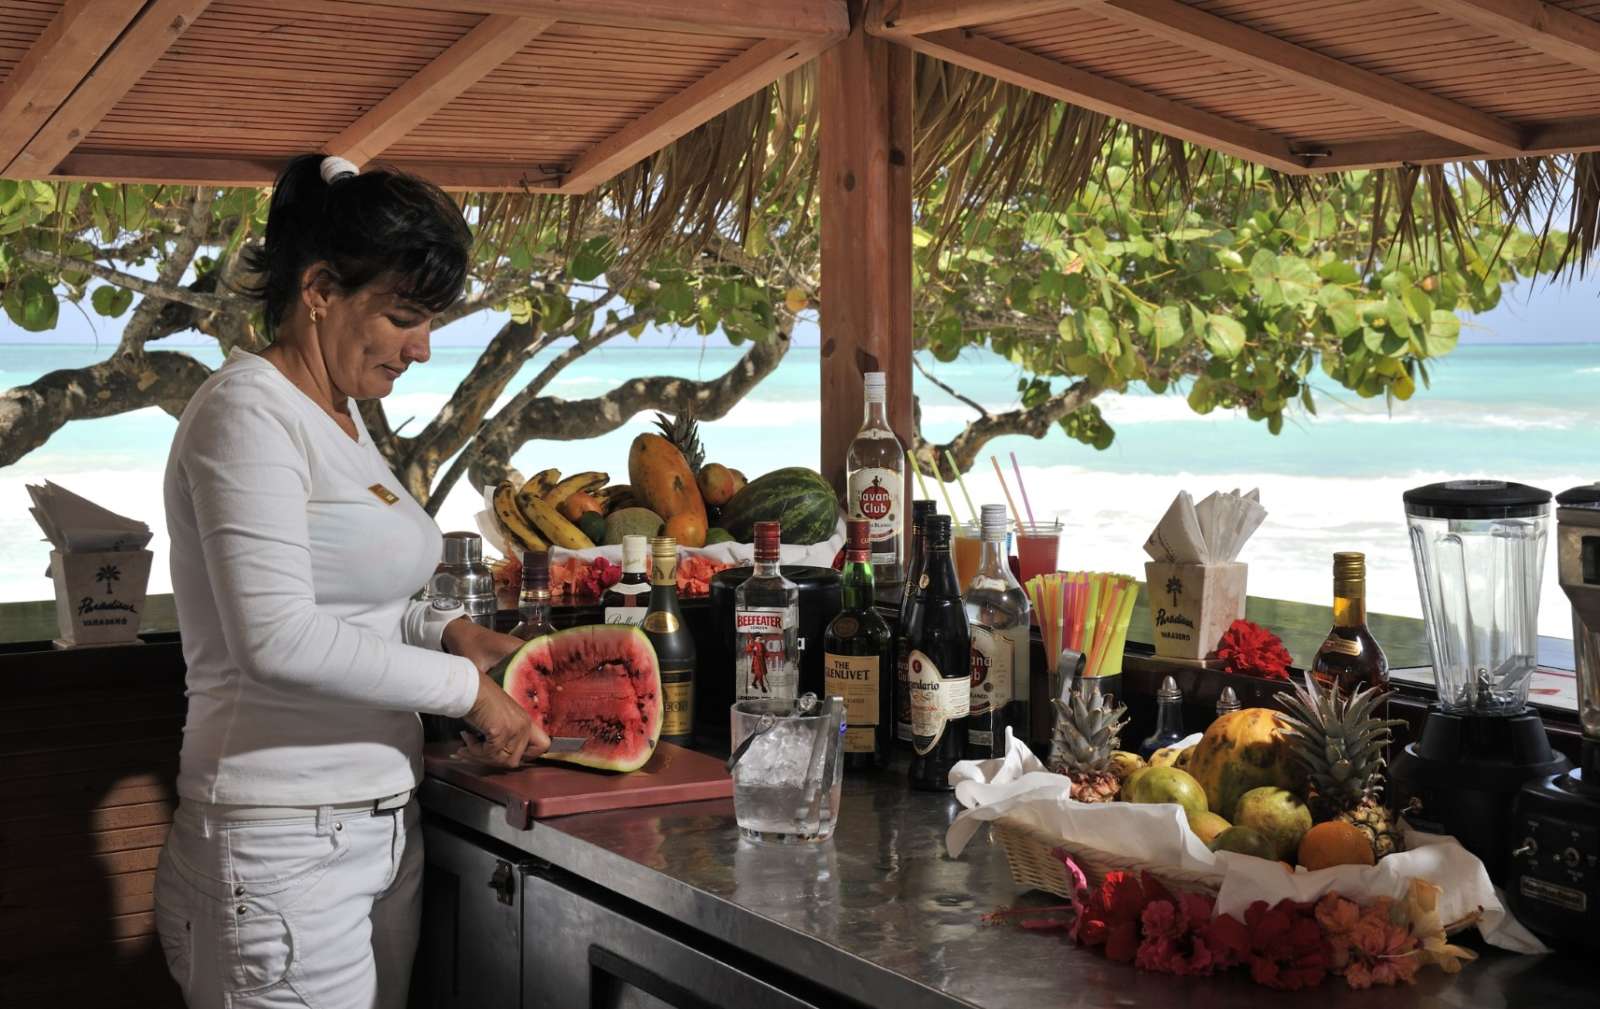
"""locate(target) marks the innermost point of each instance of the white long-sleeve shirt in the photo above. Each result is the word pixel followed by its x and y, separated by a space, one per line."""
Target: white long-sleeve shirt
pixel 295 552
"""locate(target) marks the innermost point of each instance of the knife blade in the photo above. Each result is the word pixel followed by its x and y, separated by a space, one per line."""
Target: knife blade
pixel 566 744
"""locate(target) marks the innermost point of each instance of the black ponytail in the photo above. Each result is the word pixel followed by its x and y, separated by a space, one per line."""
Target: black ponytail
pixel 379 223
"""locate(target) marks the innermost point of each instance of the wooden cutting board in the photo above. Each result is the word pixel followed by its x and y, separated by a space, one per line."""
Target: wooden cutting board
pixel 673 774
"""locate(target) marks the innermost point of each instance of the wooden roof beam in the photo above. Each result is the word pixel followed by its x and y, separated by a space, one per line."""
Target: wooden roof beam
pixel 54 65
pixel 898 18
pixel 186 170
pixel 1197 30
pixel 967 49
pixel 129 58
pixel 749 18
pixel 1571 38
pixel 712 94
pixel 1566 136
pixel 496 39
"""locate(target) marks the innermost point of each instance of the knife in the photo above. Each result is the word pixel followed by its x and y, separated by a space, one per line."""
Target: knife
pixel 558 744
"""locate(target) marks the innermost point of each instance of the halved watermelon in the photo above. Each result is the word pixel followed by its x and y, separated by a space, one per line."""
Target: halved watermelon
pixel 601 682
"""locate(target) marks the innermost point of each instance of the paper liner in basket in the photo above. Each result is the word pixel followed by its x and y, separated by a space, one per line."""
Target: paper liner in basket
pixel 1018 786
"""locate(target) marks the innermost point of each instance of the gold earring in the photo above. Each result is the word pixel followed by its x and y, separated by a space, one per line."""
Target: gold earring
pixel 314 317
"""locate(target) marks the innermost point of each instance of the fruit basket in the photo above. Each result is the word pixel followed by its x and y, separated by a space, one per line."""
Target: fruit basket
pixel 1031 853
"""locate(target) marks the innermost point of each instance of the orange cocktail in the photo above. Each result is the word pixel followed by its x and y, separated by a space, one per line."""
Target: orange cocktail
pixel 966 548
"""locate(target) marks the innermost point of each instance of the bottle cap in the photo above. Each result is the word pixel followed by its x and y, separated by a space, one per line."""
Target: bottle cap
pixel 875 385
pixel 1169 690
pixel 921 510
pixel 937 530
pixel 634 549
pixel 994 522
pixel 858 536
pixel 768 536
pixel 463 548
pixel 664 560
pixel 535 569
pixel 1349 574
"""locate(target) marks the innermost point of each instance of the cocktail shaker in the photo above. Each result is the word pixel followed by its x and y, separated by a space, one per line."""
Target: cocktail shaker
pixel 462 576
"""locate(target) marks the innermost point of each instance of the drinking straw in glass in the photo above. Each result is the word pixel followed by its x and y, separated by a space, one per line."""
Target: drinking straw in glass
pixel 1014 513
pixel 1022 489
pixel 961 482
pixel 917 470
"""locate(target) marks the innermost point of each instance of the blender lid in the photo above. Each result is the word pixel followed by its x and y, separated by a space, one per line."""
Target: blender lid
pixel 1477 499
pixel 1580 497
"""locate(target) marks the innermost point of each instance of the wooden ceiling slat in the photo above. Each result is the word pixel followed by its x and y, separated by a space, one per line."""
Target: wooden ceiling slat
pixel 1545 28
pixel 245 171
pixel 793 19
pixel 898 18
pixel 54 64
pixel 139 47
pixel 495 39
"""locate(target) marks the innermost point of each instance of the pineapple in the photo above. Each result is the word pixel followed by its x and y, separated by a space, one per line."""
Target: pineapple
pixel 1340 743
pixel 1085 735
pixel 684 433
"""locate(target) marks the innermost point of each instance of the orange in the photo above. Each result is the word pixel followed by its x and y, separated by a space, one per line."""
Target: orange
pixel 579 505
pixel 688 528
pixel 1335 843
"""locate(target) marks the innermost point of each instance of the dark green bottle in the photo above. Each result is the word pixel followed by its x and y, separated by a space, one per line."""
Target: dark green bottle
pixel 937 664
pixel 858 658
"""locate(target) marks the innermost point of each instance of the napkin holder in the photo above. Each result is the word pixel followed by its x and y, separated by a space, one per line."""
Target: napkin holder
pixel 99 596
pixel 1193 605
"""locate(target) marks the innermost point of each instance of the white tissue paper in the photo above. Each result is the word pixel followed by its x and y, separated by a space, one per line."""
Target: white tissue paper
pixel 1017 785
pixel 1212 532
pixel 77 525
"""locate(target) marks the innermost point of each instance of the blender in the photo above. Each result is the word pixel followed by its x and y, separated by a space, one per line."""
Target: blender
pixel 1479 548
pixel 1555 866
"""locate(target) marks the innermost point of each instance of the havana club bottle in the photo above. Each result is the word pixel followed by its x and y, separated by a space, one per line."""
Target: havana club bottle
pixel 875 476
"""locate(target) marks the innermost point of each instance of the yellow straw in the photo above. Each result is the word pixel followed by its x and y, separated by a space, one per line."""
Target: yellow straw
pixel 1014 513
pixel 962 483
pixel 949 503
pixel 917 470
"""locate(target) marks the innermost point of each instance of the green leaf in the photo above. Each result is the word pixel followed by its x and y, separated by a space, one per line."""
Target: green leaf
pixel 1337 271
pixel 1169 327
pixel 1444 332
pixel 110 300
pixel 1100 331
pixel 1224 336
pixel 592 259
pixel 31 303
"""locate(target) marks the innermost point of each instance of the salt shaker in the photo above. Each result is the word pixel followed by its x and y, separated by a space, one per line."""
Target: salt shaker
pixel 462 576
pixel 1227 702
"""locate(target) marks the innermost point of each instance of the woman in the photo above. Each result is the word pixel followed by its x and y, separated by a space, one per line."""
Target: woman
pixel 291 876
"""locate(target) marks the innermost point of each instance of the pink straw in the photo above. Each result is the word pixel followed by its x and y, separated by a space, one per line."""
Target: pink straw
pixel 1023 489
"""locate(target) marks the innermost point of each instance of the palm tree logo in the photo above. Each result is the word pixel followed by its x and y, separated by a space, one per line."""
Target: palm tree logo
pixel 1175 587
pixel 108 573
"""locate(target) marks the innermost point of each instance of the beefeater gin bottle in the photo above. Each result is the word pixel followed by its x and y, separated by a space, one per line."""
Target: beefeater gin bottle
pixel 766 625
pixel 875 478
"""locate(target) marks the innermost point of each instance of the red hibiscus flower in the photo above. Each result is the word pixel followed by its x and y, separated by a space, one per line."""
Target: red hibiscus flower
pixel 1287 947
pixel 1251 650
pixel 1173 940
pixel 1110 917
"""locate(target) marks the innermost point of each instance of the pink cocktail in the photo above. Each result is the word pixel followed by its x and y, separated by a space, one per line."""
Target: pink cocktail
pixel 1038 548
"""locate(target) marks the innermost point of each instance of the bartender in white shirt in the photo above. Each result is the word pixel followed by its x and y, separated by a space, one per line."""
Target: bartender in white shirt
pixel 292 873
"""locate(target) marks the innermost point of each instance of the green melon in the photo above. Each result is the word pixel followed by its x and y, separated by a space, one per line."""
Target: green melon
pixel 797 498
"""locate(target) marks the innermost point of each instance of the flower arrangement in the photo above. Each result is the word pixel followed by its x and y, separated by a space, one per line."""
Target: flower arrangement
pixel 1249 649
pixel 573 579
pixel 1134 918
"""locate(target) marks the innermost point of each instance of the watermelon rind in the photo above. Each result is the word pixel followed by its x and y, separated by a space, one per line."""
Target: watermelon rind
pixel 797 498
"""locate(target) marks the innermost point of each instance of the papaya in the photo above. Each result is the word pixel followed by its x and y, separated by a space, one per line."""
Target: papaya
pixel 661 479
pixel 1240 751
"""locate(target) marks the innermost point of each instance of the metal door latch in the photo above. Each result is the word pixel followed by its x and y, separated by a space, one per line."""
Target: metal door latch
pixel 504 883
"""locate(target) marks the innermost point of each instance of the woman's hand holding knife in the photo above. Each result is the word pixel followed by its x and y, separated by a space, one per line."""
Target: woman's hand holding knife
pixel 505 735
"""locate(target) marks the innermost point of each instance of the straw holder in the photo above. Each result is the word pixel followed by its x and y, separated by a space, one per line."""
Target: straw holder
pixel 1193 605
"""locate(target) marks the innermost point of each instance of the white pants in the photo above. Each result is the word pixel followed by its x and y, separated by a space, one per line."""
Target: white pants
pixel 291 908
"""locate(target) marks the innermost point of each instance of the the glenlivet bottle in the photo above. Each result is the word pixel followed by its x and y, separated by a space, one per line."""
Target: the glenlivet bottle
pixel 766 626
pixel 999 613
pixel 627 601
pixel 1351 656
pixel 875 473
pixel 938 664
pixel 533 603
pixel 857 662
pixel 915 563
pixel 663 625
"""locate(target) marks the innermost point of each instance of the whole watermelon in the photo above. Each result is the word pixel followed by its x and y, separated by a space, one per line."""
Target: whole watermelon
pixel 798 498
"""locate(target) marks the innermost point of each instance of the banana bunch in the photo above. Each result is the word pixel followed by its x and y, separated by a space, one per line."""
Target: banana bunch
pixel 530 513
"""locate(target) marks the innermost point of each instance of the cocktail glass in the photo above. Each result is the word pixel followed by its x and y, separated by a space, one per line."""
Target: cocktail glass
pixel 786 782
pixel 966 548
pixel 1038 548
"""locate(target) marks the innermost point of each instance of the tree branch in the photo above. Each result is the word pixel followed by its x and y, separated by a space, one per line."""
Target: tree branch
pixel 949 391
pixel 160 290
pixel 1035 421
pixel 146 315
pixel 30 414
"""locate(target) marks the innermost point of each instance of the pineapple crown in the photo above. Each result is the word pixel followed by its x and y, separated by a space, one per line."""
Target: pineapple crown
pixel 1086 732
pixel 684 433
pixel 1338 740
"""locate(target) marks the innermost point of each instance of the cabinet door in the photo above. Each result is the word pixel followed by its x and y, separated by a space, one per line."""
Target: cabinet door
pixel 470 952
pixel 584 955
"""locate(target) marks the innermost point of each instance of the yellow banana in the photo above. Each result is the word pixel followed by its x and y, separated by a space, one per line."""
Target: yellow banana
pixel 552 526
pixel 512 520
pixel 540 483
pixel 587 482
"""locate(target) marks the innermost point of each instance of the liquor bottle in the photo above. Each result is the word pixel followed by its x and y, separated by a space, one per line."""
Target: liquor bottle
pixel 663 625
pixel 1169 718
pixel 998 611
pixel 1351 656
pixel 938 662
pixel 875 468
pixel 627 601
pixel 858 650
pixel 920 510
pixel 766 626
pixel 533 603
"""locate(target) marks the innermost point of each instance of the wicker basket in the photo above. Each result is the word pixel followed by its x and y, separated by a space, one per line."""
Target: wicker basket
pixel 1031 854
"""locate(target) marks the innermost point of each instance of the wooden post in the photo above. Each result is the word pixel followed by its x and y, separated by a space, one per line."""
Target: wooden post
pixel 865 90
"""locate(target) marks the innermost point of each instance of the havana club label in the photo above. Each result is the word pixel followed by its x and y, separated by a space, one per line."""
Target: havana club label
pixel 874 495
pixel 935 701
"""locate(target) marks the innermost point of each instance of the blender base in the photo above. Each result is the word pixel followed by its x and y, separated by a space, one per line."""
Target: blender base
pixel 1554 883
pixel 1463 777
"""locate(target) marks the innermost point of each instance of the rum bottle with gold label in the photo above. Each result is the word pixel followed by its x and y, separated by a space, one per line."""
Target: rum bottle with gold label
pixel 663 625
pixel 1351 656
pixel 858 653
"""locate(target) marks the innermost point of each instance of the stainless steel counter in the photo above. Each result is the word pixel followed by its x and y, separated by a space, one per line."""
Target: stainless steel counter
pixel 882 916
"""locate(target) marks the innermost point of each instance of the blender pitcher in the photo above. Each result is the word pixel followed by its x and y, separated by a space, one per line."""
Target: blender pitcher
pixel 1479 547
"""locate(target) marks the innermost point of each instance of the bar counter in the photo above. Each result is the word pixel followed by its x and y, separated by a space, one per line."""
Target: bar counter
pixel 880 916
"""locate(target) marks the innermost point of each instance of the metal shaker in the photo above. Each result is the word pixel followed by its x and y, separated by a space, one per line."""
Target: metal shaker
pixel 462 577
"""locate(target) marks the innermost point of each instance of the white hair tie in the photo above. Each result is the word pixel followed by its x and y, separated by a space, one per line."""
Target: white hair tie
pixel 334 169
